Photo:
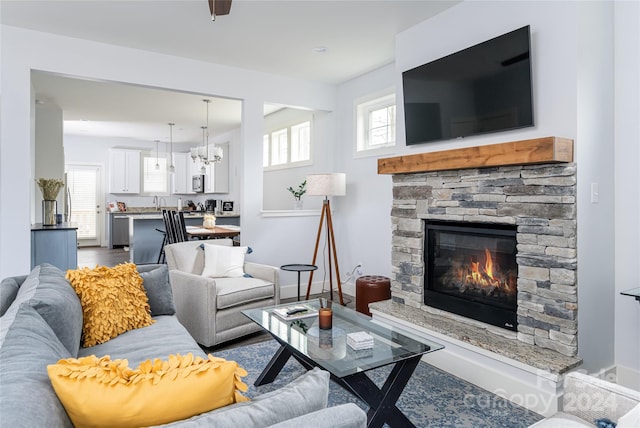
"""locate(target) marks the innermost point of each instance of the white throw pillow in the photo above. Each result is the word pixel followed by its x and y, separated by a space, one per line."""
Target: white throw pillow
pixel 222 261
pixel 631 419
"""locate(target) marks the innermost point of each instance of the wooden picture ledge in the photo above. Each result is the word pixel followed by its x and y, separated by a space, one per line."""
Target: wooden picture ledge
pixel 525 152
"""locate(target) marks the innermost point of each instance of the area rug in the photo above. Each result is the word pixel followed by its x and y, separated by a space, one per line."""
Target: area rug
pixel 432 398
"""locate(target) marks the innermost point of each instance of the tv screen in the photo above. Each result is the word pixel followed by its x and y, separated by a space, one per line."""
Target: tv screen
pixel 481 89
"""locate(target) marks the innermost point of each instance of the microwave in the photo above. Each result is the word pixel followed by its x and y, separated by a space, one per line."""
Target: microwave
pixel 197 183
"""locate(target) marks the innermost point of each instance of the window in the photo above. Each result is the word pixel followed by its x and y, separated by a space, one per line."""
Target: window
pixel 376 124
pixel 288 146
pixel 155 181
pixel 279 147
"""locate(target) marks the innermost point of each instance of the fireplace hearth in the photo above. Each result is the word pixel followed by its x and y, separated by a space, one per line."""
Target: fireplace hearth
pixel 471 270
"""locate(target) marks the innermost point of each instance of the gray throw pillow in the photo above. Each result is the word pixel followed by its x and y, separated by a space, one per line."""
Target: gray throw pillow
pixel 158 288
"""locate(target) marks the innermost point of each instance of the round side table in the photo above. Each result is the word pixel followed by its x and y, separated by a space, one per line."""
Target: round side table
pixel 299 268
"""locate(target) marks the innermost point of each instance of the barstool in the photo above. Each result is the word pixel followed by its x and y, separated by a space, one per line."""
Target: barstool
pixel 161 257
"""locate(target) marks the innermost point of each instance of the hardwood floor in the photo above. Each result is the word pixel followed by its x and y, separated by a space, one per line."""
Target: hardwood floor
pixel 101 256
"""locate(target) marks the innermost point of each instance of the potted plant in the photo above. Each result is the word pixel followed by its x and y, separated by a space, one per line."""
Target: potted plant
pixel 297 193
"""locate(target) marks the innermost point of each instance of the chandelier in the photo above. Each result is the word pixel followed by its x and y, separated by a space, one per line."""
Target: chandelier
pixel 202 152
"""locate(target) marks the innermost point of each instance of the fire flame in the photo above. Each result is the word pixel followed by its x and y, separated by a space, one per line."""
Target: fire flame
pixel 483 275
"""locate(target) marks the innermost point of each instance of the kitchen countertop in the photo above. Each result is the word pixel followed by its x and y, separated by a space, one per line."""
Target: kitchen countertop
pixel 152 212
pixel 61 226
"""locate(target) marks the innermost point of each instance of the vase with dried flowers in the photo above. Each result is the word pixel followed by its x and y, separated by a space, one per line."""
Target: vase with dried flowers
pixel 49 188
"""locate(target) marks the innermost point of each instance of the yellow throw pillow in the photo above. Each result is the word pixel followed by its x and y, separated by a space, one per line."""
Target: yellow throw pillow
pixel 99 392
pixel 113 301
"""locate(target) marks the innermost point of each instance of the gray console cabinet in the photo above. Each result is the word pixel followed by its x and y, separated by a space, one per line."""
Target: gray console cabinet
pixel 56 245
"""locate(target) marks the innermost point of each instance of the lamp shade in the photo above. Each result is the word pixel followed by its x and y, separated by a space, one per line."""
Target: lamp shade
pixel 330 184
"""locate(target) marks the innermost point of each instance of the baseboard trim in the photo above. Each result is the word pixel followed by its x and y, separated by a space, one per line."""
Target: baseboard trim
pixel 290 291
pixel 537 390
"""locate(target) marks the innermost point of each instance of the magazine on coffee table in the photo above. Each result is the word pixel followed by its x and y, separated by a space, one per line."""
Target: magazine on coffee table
pixel 295 312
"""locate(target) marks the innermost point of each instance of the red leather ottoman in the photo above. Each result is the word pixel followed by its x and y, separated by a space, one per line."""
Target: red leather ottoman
pixel 371 288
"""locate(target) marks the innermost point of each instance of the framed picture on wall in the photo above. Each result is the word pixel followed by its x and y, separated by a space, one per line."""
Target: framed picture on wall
pixel 227 206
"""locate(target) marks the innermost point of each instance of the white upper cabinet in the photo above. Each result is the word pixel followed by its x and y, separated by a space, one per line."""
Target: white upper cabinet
pixel 124 171
pixel 184 170
pixel 217 176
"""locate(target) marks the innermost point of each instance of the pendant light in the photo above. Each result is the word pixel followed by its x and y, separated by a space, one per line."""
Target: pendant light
pixel 157 160
pixel 202 153
pixel 172 168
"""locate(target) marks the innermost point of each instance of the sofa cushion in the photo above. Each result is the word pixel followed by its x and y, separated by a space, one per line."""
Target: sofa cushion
pixel 305 394
pixel 155 280
pixel 113 301
pixel 46 290
pixel 8 290
pixel 164 336
pixel 28 400
pixel 101 392
pixel 238 291
pixel 223 262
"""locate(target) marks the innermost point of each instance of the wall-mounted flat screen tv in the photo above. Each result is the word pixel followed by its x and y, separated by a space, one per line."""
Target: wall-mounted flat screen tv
pixel 481 89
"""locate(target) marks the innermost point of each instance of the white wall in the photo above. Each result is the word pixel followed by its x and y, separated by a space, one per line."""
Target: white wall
pixel 572 47
pixel 49 153
pixel 363 216
pixel 23 50
pixel 627 190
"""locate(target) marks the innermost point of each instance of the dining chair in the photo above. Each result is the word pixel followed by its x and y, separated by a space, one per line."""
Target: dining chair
pixel 169 224
pixel 180 227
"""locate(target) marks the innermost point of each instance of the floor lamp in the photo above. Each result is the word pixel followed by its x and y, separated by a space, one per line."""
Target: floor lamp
pixel 332 184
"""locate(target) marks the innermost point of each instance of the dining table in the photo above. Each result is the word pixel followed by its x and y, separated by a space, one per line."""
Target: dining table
pixel 212 232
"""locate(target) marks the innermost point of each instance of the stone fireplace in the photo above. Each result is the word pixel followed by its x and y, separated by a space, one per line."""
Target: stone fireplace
pixel 526 189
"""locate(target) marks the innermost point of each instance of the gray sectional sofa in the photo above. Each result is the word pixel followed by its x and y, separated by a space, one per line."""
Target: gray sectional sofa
pixel 42 323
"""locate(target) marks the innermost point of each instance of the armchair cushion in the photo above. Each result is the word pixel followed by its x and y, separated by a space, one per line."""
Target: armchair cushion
pixel 222 261
pixel 238 291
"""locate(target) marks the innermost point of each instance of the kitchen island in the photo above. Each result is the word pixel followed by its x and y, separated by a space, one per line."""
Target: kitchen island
pixel 145 240
pixel 118 222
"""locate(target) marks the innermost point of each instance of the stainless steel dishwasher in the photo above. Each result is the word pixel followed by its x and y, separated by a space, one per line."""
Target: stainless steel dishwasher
pixel 120 230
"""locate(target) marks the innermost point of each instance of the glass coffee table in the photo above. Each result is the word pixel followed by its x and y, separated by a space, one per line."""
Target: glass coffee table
pixel 328 349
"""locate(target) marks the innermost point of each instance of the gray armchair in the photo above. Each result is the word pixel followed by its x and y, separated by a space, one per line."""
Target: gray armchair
pixel 210 308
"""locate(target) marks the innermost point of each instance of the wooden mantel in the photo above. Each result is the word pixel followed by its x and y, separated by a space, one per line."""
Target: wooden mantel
pixel 525 152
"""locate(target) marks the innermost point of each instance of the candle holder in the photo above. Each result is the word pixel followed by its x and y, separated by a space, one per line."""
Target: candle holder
pixel 325 318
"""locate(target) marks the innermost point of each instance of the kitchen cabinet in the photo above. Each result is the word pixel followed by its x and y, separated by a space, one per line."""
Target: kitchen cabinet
pixel 217 176
pixel 124 171
pixel 184 170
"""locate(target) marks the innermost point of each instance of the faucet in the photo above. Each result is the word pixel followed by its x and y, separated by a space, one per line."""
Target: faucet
pixel 156 202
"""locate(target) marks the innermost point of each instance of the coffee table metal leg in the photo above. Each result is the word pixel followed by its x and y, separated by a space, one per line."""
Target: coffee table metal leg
pixel 382 402
pixel 274 367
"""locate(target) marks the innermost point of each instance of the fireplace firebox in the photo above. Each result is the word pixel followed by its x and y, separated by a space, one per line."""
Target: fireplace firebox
pixel 471 270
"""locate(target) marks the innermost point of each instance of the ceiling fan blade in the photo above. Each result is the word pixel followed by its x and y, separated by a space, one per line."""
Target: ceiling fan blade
pixel 219 7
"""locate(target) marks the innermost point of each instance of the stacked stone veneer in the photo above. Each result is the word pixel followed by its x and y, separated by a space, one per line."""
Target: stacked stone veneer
pixel 539 199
